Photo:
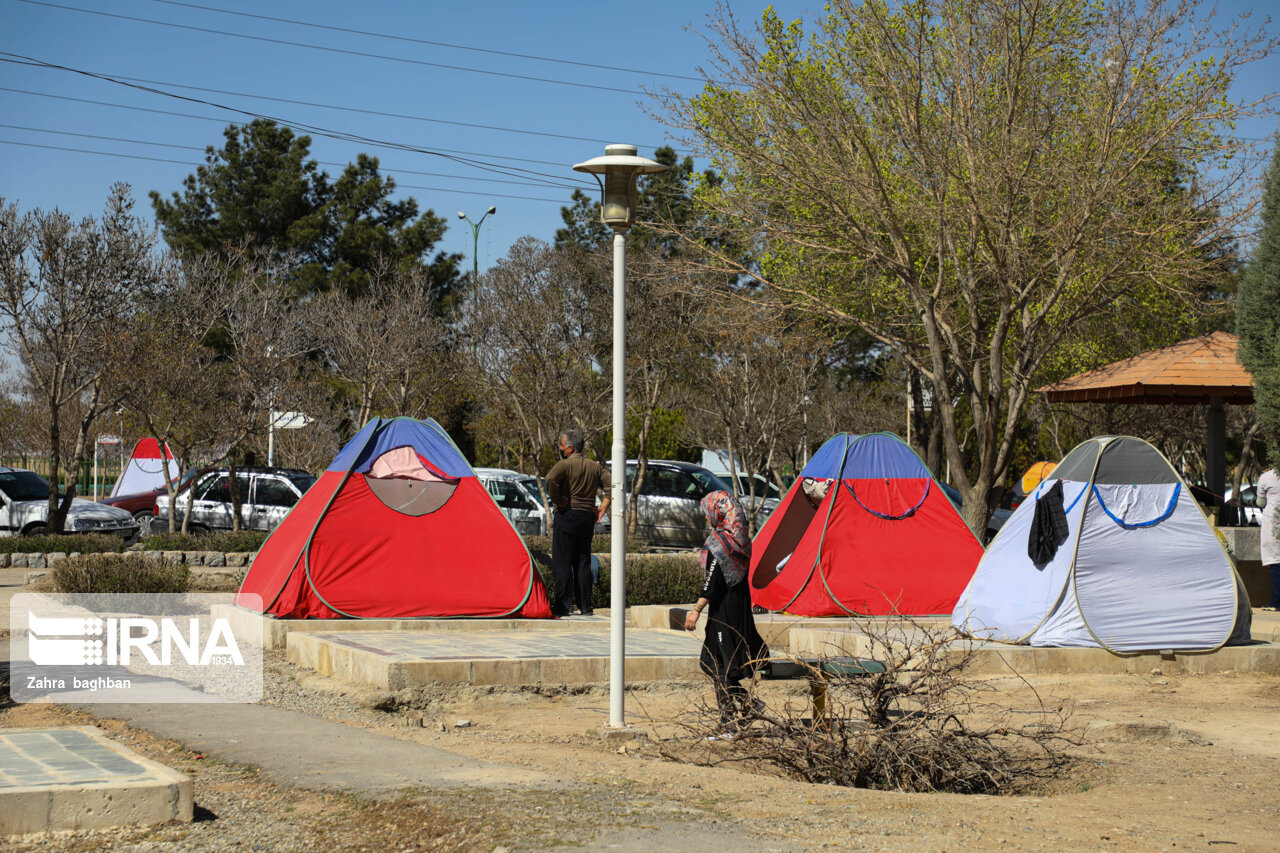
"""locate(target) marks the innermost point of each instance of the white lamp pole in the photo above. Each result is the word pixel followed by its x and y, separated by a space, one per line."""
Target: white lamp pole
pixel 620 166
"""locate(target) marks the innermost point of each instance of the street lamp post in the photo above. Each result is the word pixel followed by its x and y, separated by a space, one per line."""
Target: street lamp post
pixel 620 166
pixel 475 238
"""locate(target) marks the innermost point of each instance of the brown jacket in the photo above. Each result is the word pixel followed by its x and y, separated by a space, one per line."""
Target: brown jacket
pixel 578 479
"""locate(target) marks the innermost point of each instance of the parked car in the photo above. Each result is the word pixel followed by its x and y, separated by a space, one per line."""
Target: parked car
pixel 142 505
pixel 524 511
pixel 998 516
pixel 668 511
pixel 510 493
pixel 266 495
pixel 764 488
pixel 24 509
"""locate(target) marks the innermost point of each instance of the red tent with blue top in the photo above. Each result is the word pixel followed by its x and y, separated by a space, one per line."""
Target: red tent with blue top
pixel 865 530
pixel 397 527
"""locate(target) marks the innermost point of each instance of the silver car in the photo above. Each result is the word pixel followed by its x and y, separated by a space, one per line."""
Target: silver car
pixel 266 494
pixel 24 509
pixel 669 509
pixel 509 492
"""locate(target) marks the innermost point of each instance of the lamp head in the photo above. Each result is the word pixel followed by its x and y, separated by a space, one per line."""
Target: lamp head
pixel 461 215
pixel 491 210
pixel 620 166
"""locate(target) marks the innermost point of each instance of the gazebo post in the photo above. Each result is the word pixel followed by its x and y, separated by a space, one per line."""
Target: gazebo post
pixel 1215 466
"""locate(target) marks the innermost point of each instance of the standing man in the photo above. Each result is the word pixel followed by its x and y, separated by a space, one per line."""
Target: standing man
pixel 572 485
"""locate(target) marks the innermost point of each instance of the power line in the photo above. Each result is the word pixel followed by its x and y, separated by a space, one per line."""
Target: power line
pixel 295 102
pixel 187 164
pixel 326 49
pixel 382 166
pixel 320 131
pixel 450 45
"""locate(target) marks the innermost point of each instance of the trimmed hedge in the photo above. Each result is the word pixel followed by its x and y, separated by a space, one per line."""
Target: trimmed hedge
pixel 599 545
pixel 651 579
pixel 122 573
pixel 69 543
pixel 244 541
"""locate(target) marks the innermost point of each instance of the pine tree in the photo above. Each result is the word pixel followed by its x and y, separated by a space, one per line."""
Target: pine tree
pixel 1258 313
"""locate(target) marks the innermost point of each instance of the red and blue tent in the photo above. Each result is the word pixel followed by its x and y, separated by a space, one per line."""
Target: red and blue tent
pixel 874 534
pixel 397 527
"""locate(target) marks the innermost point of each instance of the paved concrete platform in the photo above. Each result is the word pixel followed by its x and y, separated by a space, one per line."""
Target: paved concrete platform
pixel 995 658
pixel 77 778
pixel 392 661
pixel 275 631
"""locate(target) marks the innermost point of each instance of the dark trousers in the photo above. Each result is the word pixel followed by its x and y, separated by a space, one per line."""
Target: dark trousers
pixel 571 560
pixel 1275 584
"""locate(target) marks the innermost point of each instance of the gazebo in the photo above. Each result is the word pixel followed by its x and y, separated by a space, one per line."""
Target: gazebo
pixel 1201 371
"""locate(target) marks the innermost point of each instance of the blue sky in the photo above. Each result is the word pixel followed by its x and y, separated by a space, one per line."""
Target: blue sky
pixel 548 125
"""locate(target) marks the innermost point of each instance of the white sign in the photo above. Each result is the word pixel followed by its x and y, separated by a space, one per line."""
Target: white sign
pixel 289 420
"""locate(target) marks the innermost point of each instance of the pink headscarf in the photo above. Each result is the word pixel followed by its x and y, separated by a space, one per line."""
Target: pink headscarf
pixel 728 542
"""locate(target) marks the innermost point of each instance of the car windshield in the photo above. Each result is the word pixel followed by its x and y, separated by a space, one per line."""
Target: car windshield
pixel 24 486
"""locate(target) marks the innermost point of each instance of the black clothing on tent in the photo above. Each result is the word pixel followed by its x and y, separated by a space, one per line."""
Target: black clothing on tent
pixel 1048 526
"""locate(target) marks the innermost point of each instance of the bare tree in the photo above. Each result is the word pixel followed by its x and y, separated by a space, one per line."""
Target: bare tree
pixel 66 288
pixel 388 344
pixel 528 326
pixel 976 184
pixel 750 397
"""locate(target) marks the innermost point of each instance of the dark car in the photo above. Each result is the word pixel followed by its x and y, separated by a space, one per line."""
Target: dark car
pixel 142 504
pixel 266 496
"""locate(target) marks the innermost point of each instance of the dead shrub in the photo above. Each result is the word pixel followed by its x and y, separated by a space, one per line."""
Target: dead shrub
pixel 925 723
pixel 118 573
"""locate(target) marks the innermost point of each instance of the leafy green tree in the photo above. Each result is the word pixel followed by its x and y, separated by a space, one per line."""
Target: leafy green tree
pixel 1258 313
pixel 262 186
pixel 975 184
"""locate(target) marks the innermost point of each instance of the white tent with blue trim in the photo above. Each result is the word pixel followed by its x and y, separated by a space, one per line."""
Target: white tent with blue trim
pixel 1140 569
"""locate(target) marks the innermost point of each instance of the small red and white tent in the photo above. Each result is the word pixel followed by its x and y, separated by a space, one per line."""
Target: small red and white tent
pixel 146 469
pixel 397 527
pixel 874 535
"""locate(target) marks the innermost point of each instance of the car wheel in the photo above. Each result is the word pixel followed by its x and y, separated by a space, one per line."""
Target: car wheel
pixel 36 530
pixel 147 524
pixel 197 530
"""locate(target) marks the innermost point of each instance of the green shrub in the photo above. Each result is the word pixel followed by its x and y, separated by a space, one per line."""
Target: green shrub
pixel 85 543
pixel 118 573
pixel 244 541
pixel 599 545
pixel 651 579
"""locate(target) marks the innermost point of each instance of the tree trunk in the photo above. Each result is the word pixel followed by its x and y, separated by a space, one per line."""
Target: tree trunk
pixel 57 517
pixel 233 487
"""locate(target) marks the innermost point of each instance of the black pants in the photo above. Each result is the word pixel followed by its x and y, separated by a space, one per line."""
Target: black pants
pixel 571 560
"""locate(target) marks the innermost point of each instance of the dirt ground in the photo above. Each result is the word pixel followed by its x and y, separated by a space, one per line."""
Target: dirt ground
pixel 1171 762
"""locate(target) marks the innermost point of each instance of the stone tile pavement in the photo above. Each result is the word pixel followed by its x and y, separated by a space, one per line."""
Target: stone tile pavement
pixel 76 778
pixel 392 661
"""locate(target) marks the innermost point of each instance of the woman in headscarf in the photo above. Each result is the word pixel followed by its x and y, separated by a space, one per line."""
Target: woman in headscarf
pixel 732 647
